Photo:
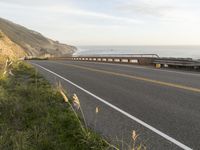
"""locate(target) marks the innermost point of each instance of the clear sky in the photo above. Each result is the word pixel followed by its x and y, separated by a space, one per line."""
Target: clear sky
pixel 109 22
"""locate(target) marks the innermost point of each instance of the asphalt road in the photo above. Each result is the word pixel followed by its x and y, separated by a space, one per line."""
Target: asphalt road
pixel 163 106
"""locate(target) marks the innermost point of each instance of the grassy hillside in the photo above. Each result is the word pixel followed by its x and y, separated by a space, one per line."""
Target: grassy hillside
pixel 33 42
pixel 34 116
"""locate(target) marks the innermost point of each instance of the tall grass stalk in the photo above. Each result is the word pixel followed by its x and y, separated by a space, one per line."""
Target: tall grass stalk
pixel 84 129
pixel 62 92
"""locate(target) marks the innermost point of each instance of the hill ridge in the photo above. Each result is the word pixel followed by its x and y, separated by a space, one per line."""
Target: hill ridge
pixel 33 42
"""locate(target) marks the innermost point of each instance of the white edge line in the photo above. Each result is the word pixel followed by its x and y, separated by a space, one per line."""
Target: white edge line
pixel 181 145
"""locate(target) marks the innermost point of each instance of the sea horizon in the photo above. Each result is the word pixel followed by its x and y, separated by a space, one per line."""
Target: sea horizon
pixel 178 51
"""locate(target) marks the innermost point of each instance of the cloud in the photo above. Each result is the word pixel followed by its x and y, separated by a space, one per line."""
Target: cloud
pixel 162 10
pixel 85 13
pixel 30 2
pixel 150 8
pixel 146 9
pixel 67 9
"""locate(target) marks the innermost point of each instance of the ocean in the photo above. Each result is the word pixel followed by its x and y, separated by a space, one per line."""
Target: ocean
pixel 162 51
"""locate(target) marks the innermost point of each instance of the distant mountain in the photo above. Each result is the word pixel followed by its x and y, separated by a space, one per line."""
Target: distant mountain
pixel 32 42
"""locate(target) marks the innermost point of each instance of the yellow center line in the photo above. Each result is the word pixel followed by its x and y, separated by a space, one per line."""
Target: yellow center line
pixel 136 78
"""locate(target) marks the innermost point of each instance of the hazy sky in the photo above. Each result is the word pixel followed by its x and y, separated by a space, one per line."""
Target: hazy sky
pixel 109 22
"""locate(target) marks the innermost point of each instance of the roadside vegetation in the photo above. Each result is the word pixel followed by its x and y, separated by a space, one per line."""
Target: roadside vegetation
pixel 37 116
pixel 34 116
pixel 2 61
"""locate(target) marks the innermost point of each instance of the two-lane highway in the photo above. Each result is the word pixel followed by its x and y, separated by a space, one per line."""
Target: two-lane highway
pixel 163 106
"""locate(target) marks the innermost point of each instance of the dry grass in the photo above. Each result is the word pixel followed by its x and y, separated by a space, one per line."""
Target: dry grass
pixel 10 49
pixel 2 65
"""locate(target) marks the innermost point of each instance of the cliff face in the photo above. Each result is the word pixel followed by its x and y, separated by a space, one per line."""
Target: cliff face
pixel 34 43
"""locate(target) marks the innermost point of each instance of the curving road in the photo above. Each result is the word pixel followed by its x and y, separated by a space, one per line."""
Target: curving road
pixel 163 106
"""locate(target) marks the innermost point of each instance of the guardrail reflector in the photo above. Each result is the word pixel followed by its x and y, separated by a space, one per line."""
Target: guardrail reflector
pixel 158 66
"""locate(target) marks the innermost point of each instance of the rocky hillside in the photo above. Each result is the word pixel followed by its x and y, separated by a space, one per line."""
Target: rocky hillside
pixel 33 43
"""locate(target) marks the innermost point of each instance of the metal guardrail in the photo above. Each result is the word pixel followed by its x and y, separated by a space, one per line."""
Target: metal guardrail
pixel 140 59
pixel 177 62
pixel 121 55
